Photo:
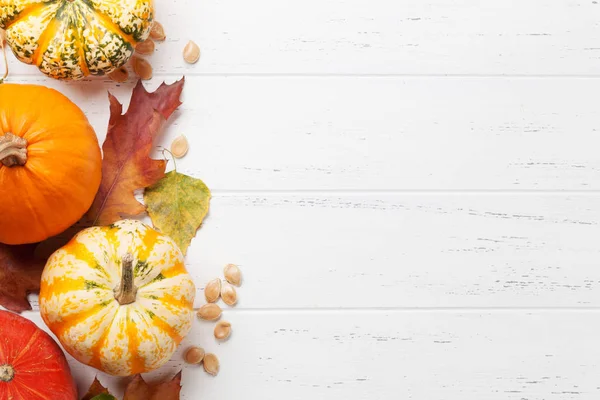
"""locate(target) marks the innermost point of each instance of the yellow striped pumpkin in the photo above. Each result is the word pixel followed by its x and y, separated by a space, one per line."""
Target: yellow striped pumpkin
pixel 70 39
pixel 118 297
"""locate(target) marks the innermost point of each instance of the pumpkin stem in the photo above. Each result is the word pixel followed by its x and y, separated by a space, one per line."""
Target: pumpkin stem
pixel 7 373
pixel 126 292
pixel 13 150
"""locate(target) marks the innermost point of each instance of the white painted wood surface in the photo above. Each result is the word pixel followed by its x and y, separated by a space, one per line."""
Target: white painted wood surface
pixel 366 37
pixel 366 354
pixel 411 189
pixel 379 133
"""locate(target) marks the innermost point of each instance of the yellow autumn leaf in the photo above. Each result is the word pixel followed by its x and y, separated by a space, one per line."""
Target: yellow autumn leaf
pixel 177 204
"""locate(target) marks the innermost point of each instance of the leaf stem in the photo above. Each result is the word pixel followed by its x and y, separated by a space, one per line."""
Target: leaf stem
pixel 172 157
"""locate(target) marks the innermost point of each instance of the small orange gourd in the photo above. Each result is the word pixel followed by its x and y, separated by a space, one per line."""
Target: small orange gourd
pixel 50 163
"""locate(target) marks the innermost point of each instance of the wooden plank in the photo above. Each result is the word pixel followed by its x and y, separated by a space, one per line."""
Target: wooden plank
pixel 403 250
pixel 380 355
pixel 379 133
pixel 533 37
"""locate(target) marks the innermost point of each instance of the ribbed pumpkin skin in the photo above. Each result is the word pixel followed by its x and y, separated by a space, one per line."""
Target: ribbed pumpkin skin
pixel 70 39
pixel 77 298
pixel 58 183
pixel 40 369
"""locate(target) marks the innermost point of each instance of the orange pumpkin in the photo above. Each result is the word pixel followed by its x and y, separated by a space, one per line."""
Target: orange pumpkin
pixel 50 163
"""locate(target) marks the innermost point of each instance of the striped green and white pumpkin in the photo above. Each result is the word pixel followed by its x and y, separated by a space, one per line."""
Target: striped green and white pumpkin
pixel 118 297
pixel 71 39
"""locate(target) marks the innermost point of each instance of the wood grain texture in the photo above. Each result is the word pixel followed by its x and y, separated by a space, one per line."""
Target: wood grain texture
pixel 334 355
pixel 410 188
pixel 532 37
pixel 344 133
pixel 403 250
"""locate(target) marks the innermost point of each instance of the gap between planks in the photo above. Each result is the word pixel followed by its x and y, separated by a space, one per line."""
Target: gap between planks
pixel 38 76
pixel 416 310
pixel 414 192
pixel 399 310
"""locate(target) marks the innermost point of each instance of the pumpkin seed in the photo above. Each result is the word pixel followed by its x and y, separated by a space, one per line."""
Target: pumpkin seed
pixel 233 274
pixel 157 32
pixel 146 47
pixel 222 330
pixel 142 68
pixel 212 290
pixel 194 355
pixel 179 146
pixel 211 364
pixel 119 75
pixel 210 312
pixel 228 294
pixel 191 52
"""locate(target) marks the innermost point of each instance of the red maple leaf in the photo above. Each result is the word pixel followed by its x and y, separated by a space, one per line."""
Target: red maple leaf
pixel 20 274
pixel 127 165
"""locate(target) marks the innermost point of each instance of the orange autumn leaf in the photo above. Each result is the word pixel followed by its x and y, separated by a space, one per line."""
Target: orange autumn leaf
pixel 138 389
pixel 20 274
pixel 95 389
pixel 127 165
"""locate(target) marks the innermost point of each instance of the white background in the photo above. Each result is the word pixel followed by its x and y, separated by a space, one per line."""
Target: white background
pixel 410 188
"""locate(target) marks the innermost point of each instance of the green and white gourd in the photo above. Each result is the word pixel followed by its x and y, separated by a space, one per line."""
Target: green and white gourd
pixel 71 39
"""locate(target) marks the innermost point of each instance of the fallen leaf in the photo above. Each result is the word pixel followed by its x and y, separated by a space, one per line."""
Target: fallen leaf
pixel 104 397
pixel 96 390
pixel 127 165
pixel 177 204
pixel 20 274
pixel 138 389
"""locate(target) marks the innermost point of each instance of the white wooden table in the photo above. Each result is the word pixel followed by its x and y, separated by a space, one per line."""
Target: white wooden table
pixel 410 187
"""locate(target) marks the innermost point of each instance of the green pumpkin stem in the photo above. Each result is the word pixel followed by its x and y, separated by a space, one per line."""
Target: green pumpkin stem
pixel 126 292
pixel 13 150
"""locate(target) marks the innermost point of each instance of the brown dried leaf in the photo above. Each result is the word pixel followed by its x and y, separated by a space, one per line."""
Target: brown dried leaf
pixel 95 389
pixel 20 274
pixel 127 165
pixel 138 389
